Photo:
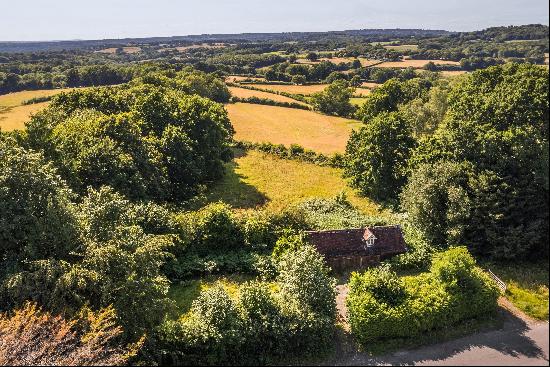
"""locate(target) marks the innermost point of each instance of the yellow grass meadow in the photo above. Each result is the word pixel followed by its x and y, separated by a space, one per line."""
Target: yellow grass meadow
pixel 13 114
pixel 256 179
pixel 247 93
pixel 280 125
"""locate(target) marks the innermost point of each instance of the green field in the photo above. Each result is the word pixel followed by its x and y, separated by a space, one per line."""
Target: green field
pixel 527 286
pixel 255 179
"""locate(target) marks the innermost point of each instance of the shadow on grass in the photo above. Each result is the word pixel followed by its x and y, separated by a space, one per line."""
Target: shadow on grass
pixel 234 191
pixel 504 333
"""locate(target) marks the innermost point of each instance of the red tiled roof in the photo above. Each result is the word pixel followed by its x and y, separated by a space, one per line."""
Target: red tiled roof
pixel 348 242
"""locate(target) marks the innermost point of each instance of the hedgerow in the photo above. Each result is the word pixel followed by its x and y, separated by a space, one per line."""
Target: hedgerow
pixel 270 102
pixel 382 305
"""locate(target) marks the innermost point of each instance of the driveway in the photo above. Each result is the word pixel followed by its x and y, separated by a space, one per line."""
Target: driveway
pixel 520 341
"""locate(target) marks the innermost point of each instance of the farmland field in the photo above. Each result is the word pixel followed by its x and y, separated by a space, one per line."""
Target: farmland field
pixel 294 89
pixel 358 101
pixel 414 63
pixel 401 47
pixel 238 78
pixel 13 114
pixel 279 125
pixel 256 179
pixel 247 93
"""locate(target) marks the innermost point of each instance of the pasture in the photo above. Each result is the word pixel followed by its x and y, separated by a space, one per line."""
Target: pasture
pixel 280 125
pixel 239 78
pixel 417 64
pixel 401 48
pixel 255 179
pixel 247 93
pixel 13 114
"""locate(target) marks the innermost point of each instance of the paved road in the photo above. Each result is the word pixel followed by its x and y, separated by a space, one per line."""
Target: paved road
pixel 520 341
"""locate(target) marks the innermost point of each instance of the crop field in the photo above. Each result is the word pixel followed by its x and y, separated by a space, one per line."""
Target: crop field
pixel 13 114
pixel 256 179
pixel 361 92
pixel 413 63
pixel 293 89
pixel 247 93
pixel 280 125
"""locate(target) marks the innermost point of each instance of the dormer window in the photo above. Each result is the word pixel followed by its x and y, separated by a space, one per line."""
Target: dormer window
pixel 368 239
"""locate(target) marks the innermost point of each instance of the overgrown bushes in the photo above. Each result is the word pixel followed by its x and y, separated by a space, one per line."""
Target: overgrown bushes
pixel 262 322
pixel 270 102
pixel 382 305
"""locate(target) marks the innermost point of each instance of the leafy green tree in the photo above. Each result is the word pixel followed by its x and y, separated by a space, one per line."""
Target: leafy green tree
pixel 312 56
pixel 335 99
pixel 376 156
pixel 36 217
pixel 299 80
pixel 437 202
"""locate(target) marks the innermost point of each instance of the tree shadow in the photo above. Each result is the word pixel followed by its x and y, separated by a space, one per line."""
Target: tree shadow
pixel 510 340
pixel 234 191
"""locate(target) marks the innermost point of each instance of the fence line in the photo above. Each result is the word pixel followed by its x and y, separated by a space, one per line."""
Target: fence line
pixel 497 280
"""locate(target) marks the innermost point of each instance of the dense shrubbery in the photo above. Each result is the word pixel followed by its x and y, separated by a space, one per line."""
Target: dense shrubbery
pixel 270 102
pixel 258 324
pixel 376 156
pixel 335 99
pixel 147 142
pixel 382 305
pixel 215 240
pixel 493 194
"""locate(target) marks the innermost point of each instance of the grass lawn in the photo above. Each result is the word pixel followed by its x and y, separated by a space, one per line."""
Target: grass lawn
pixel 527 286
pixel 401 47
pixel 247 93
pixel 13 114
pixel 256 179
pixel 184 293
pixel 280 125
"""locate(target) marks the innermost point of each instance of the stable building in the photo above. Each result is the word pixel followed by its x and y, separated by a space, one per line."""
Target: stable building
pixel 356 249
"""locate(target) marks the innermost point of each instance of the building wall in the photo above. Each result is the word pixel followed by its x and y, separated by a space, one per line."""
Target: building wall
pixel 346 263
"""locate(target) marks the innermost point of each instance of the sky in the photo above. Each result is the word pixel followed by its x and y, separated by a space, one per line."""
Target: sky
pixel 39 20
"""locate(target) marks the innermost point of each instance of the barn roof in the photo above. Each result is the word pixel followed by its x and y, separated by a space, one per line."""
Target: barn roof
pixel 348 242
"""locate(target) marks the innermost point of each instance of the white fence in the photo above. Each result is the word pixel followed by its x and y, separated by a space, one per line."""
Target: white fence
pixel 497 280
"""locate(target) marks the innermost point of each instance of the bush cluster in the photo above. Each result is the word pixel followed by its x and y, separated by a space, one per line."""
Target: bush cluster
pixel 270 102
pixel 258 324
pixel 382 305
pixel 294 151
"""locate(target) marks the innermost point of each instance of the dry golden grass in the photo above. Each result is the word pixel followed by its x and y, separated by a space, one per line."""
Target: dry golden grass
pixel 368 62
pixel 452 73
pixel 13 114
pixel 358 101
pixel 413 63
pixel 279 125
pixel 15 117
pixel 247 93
pixel 256 179
pixel 361 92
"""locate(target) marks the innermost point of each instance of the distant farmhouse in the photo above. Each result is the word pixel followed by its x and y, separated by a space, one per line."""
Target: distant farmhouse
pixel 355 249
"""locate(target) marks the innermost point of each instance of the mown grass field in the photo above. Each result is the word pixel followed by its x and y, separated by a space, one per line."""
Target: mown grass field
pixel 414 63
pixel 527 286
pixel 255 179
pixel 358 101
pixel 247 93
pixel 13 114
pixel 280 125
